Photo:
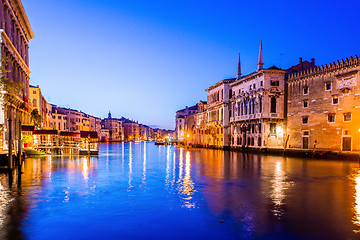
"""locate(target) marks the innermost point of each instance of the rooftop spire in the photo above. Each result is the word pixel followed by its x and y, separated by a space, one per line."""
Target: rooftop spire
pixel 109 115
pixel 260 61
pixel 238 75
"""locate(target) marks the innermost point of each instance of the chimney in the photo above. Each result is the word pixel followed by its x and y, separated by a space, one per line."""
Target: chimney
pixel 313 62
pixel 300 60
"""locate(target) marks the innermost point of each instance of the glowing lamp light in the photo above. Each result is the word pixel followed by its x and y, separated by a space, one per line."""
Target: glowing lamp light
pixel 188 135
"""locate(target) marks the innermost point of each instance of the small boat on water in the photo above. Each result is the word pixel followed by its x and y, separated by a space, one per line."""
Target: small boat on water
pixel 160 142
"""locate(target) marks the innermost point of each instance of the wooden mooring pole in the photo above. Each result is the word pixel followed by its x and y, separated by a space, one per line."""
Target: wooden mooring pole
pixel 10 147
pixel 19 157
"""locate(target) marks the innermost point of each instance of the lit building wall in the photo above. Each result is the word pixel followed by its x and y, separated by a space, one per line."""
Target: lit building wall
pixel 324 107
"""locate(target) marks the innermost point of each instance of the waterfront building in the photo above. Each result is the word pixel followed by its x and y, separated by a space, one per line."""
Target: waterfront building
pixel 15 34
pixel 217 128
pixel 105 135
pixel 95 124
pixel 146 133
pixel 258 106
pixel 38 102
pixel 131 130
pixel 199 132
pixel 115 127
pixel 59 119
pixel 324 106
pixel 180 128
pixel 74 118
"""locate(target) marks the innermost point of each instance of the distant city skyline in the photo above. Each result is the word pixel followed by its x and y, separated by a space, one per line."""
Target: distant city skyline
pixel 146 60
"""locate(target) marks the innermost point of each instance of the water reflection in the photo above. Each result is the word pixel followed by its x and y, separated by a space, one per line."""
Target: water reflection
pixel 279 186
pixel 186 185
pixel 356 179
pixel 144 164
pixel 130 164
pixel 258 197
pixel 85 167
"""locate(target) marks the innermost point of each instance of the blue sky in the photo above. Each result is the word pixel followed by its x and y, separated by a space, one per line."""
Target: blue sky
pixel 146 59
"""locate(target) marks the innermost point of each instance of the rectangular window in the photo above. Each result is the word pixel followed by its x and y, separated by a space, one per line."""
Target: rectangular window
pixel 305 120
pixel 347 132
pixel 305 103
pixel 331 117
pixel 306 90
pixel 261 84
pixel 306 133
pixel 259 127
pixel 274 83
pixel 272 128
pixel 328 86
pixel 335 100
pixel 347 117
pixel 254 86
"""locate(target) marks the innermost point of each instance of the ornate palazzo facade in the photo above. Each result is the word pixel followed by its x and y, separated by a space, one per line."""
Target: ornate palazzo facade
pixel 258 109
pixel 15 34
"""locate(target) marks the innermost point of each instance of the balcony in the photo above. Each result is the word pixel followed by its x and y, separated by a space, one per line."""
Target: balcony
pixel 254 116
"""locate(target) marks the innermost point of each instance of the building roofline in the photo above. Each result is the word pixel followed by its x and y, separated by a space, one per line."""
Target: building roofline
pixel 343 63
pixel 254 74
pixel 19 8
pixel 224 81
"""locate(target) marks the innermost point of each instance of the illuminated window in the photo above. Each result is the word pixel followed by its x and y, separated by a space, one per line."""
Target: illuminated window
pixel 306 103
pixel 305 120
pixel 272 128
pixel 347 117
pixel 335 100
pixel 331 117
pixel 328 86
pixel 306 90
pixel 274 83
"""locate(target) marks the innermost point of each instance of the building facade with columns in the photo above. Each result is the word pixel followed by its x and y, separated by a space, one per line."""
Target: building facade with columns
pixel 217 127
pixel 258 107
pixel 15 34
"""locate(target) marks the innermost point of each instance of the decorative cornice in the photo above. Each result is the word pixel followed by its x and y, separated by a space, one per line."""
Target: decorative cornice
pixel 21 14
pixel 222 82
pixel 253 75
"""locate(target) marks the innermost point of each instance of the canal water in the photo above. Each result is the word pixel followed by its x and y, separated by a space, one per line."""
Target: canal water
pixel 143 191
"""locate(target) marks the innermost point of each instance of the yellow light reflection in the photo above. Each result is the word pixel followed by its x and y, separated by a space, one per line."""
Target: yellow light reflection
pixel 85 167
pixel 356 219
pixel 4 202
pixel 167 165
pixel 144 164
pixel 181 163
pixel 186 187
pixel 130 164
pixel 279 185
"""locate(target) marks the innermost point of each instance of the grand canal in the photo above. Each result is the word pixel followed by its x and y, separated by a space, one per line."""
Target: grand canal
pixel 143 191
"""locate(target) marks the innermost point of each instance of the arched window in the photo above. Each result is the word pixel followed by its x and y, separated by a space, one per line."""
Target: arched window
pixel 273 105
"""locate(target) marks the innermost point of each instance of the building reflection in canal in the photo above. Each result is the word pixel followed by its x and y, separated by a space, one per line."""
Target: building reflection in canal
pixel 257 196
pixel 356 178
